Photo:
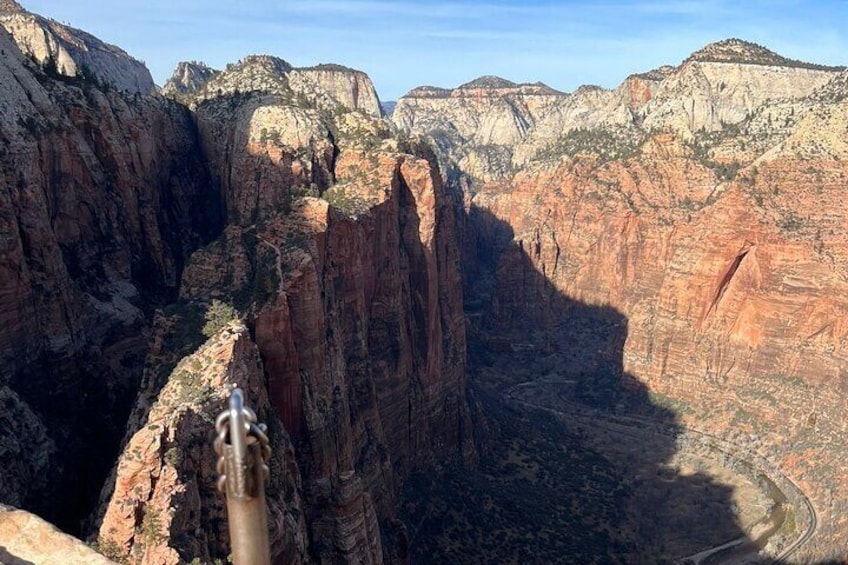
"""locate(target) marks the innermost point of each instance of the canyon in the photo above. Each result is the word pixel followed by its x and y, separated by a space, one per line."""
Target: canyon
pixel 478 304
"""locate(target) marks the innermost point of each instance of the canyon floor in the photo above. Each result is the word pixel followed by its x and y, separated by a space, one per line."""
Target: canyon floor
pixel 568 482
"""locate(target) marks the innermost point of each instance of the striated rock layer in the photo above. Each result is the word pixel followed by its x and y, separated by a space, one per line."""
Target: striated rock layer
pixel 352 88
pixel 106 193
pixel 330 87
pixel 362 339
pixel 491 127
pixel 725 252
pixel 72 52
pixel 354 300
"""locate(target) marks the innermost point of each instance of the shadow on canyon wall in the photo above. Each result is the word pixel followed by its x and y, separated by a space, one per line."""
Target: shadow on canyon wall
pixel 582 464
pixel 569 487
pixel 82 385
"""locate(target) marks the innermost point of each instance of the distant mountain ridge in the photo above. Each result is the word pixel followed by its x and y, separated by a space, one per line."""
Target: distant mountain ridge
pixel 492 125
pixel 188 77
pixel 192 82
pixel 735 50
pixel 73 52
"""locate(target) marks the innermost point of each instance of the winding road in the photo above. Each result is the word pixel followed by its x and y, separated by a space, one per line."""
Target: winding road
pixel 754 461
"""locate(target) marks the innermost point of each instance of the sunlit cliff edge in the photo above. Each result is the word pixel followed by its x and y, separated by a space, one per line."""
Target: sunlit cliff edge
pixel 703 202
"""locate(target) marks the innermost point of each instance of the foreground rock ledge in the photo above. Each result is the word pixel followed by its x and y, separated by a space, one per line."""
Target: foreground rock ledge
pixel 27 539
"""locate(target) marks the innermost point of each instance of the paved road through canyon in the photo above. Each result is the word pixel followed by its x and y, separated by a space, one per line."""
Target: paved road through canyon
pixel 637 426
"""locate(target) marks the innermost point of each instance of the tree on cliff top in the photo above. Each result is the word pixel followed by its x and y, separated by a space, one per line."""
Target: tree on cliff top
pixel 218 315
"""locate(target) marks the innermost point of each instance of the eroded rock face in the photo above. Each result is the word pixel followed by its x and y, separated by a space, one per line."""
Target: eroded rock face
pixel 72 52
pixel 355 306
pixel 492 127
pixel 353 89
pixel 709 95
pixel 726 257
pixel 164 506
pixel 362 339
pixel 188 78
pixel 331 88
pixel 26 538
pixel 106 196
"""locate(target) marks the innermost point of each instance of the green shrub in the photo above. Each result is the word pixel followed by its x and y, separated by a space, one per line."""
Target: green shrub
pixel 218 315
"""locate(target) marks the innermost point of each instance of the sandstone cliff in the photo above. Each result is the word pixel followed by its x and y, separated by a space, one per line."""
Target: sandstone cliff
pixel 72 52
pixel 106 194
pixel 164 506
pixel 490 127
pixel 323 86
pixel 355 303
pixel 188 78
pixel 722 246
pixel 351 88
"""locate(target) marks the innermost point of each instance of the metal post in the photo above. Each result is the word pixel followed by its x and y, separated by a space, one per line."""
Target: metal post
pixel 243 450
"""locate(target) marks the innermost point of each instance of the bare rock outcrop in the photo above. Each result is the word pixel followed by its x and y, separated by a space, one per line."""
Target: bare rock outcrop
pixel 10 7
pixel 106 196
pixel 351 88
pixel 327 87
pixel 72 52
pixel 491 127
pixel 26 538
pixel 188 78
pixel 164 506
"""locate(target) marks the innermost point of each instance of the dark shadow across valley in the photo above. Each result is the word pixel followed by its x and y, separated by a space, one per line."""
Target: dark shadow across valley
pixel 582 462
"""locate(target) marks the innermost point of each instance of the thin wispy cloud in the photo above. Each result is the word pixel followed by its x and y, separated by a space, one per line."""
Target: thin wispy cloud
pixel 405 43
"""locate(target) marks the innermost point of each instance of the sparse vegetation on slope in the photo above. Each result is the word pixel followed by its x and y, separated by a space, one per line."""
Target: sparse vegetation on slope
pixel 605 144
pixel 739 51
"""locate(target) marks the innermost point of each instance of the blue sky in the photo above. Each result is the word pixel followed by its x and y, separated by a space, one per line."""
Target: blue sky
pixel 406 43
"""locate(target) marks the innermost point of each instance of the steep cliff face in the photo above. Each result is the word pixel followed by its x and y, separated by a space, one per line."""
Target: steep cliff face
pixel 479 123
pixel 362 337
pixel 355 303
pixel 72 52
pixel 188 78
pixel 327 87
pixel 725 252
pixel 708 95
pixel 105 197
pixel 353 89
pixel 164 506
